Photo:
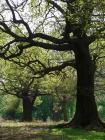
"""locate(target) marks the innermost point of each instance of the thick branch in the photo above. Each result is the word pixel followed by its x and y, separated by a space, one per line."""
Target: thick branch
pixel 58 47
pixel 48 37
pixel 45 71
pixel 56 6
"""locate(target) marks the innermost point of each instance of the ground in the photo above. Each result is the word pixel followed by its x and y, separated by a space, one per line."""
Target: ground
pixel 10 130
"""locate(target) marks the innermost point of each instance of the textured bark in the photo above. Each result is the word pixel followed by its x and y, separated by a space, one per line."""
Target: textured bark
pixel 86 114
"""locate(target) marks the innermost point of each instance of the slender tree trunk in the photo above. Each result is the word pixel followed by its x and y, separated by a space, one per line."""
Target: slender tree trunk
pixel 28 102
pixel 64 108
pixel 86 114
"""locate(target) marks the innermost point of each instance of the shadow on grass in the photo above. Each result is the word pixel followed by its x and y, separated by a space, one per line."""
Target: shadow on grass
pixel 78 134
pixel 69 134
pixel 44 132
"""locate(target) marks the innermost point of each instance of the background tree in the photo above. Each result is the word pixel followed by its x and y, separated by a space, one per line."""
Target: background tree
pixel 21 82
pixel 20 78
pixel 10 107
pixel 15 82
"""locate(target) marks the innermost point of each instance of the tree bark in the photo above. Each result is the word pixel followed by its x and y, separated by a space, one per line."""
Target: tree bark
pixel 28 102
pixel 86 114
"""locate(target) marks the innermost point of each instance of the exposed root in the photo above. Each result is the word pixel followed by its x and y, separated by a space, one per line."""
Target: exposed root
pixel 93 125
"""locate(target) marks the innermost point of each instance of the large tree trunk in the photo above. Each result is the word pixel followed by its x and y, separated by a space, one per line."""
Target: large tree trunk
pixel 86 114
pixel 28 102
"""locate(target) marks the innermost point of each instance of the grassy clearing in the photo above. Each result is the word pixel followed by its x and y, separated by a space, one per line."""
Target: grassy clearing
pixel 42 131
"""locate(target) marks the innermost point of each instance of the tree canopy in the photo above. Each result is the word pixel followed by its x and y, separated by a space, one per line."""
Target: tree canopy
pixel 45 24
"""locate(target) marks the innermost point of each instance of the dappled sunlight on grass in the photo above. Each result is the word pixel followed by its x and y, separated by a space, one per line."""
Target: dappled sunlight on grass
pixel 19 124
pixel 84 135
pixel 11 130
pixel 78 134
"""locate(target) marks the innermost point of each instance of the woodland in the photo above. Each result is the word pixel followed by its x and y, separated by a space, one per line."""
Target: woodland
pixel 52 65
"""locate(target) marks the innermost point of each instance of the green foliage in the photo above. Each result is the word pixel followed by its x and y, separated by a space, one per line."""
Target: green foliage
pixel 78 134
pixel 101 105
pixel 9 107
pixel 18 75
pixel 44 109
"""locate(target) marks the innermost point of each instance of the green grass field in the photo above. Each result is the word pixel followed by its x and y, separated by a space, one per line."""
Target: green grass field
pixel 41 131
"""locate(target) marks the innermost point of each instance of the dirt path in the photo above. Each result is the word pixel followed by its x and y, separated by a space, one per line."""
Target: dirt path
pixel 22 131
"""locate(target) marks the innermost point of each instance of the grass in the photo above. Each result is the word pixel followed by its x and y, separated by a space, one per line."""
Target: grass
pixel 78 134
pixel 10 130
